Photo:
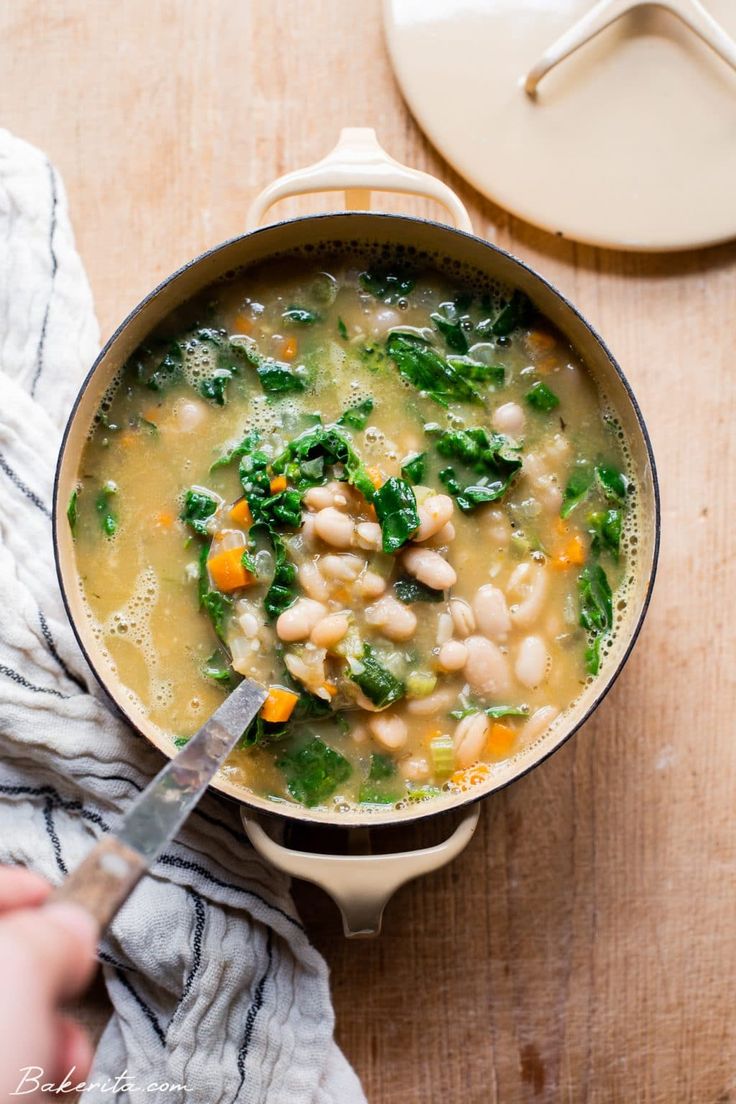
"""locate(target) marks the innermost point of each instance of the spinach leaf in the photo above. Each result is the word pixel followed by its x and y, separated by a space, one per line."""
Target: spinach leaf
pixel 314 771
pixel 276 377
pixel 168 369
pixel 357 416
pixel 513 314
pixel 247 445
pixel 475 370
pixel 494 711
pixel 378 793
pixel 492 459
pixel 282 509
pixel 605 530
pixel 596 604
pixel 282 592
pixel 108 517
pixel 229 358
pixel 592 656
pixel 421 364
pixel 410 590
pixel 414 467
pixel 342 329
pixel 71 510
pixel 576 490
pixel 305 460
pixel 378 684
pixel 449 324
pixel 612 482
pixel 198 507
pixel 300 316
pixel 541 397
pixel 396 509
pixel 218 669
pixel 213 388
pixel 387 286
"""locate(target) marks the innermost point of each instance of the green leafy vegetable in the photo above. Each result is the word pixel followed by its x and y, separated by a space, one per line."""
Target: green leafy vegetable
pixel 380 787
pixel 476 370
pixel 515 313
pixel 306 459
pixel 168 370
pixel 342 329
pixel 578 486
pixel 596 611
pixel 218 669
pixel 299 316
pixel 276 377
pixel 282 592
pixel 249 443
pixel 378 684
pixel 229 358
pixel 389 287
pixel 593 656
pixel 357 416
pixel 314 771
pixel 605 530
pixel 541 398
pixel 491 458
pixel 108 517
pixel 410 590
pixel 414 467
pixel 217 606
pixel 382 766
pixel 612 482
pixel 213 388
pixel 450 325
pixel 421 364
pixel 198 506
pixel 396 509
pixel 494 711
pixel 71 510
pixel 282 509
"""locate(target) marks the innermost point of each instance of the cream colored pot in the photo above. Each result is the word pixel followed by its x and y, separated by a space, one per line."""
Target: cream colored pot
pixel 361 884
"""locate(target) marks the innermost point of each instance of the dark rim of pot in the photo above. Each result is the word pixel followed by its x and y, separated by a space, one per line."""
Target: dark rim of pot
pixel 462 802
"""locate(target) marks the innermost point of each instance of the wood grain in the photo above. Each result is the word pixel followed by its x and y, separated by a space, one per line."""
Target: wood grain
pixel 583 949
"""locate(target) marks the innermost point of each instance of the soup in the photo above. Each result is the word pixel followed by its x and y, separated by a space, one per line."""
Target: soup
pixel 393 497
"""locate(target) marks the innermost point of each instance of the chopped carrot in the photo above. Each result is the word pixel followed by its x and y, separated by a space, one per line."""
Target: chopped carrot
pixel 278 483
pixel 289 348
pixel 573 554
pixel 279 705
pixel 539 341
pixel 227 571
pixel 240 514
pixel 151 414
pixel 561 526
pixel 165 520
pixel 242 324
pixel 501 740
pixel 376 477
pixel 431 734
pixel 330 687
pixel 127 439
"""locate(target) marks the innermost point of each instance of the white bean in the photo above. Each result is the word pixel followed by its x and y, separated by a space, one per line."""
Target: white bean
pixel 445 536
pixel 438 702
pixel 393 618
pixel 330 630
pixel 415 769
pixel 334 528
pixel 470 739
pixel 486 668
pixel 527 589
pixel 382 320
pixel 312 581
pixel 368 535
pixel 389 730
pixel 429 568
pixel 370 584
pixel 453 655
pixel 509 418
pixel 434 513
pixel 498 528
pixel 189 415
pixel 297 622
pixel 344 569
pixel 319 498
pixel 532 662
pixel 492 613
pixel 444 628
pixel 539 721
pixel 463 617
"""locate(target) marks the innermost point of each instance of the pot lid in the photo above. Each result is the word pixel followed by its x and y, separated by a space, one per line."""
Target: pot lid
pixel 630 141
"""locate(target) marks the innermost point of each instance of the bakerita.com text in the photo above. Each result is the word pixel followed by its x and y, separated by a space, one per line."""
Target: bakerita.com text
pixel 32 1081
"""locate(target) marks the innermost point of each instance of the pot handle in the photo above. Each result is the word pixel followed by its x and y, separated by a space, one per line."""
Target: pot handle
pixel 361 885
pixel 357 166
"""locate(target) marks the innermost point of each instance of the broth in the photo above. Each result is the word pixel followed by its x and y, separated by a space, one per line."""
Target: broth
pixel 417 530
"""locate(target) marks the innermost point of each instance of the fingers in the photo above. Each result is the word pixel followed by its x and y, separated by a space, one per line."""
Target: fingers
pixel 21 888
pixel 58 942
pixel 74 1051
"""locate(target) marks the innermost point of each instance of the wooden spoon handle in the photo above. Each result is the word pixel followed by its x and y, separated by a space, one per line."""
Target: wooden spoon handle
pixel 103 880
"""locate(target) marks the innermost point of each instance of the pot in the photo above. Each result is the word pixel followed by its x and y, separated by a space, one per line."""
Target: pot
pixel 361 884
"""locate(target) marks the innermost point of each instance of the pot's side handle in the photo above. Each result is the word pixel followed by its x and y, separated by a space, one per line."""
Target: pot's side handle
pixel 357 166
pixel 361 885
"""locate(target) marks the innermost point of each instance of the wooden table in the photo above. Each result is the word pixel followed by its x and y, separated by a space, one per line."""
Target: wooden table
pixel 583 949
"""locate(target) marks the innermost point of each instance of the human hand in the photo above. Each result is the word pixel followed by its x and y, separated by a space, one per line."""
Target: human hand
pixel 47 955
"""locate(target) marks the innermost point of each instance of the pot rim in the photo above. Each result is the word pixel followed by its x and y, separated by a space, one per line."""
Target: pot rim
pixel 464 799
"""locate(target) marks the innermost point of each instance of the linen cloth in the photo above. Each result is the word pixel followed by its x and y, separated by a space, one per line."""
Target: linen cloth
pixel 213 982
